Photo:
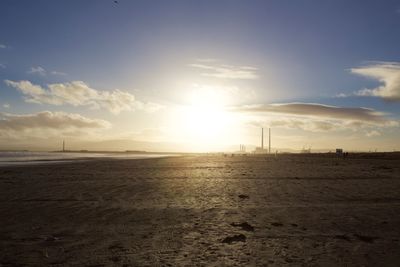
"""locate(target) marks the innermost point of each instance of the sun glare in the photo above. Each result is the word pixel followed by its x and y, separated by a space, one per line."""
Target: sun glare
pixel 204 120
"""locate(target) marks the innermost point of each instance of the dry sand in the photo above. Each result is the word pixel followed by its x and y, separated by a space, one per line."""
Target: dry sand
pixel 298 210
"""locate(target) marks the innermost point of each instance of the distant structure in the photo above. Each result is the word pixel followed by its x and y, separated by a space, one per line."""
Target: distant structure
pixel 63 147
pixel 269 136
pixel 306 150
pixel 262 138
pixel 242 149
pixel 261 150
pixel 339 152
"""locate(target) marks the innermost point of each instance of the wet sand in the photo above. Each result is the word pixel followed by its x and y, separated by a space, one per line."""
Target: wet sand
pixel 295 210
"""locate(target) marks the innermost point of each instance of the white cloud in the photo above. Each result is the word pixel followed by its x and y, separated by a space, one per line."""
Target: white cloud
pixel 78 93
pixel 6 105
pixel 46 123
pixel 226 71
pixel 373 133
pixel 387 73
pixel 26 87
pixel 37 70
pixel 3 46
pixel 58 73
pixel 315 117
pixel 341 95
pixel 43 72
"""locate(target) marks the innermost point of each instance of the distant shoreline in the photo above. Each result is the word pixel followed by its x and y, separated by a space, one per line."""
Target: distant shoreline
pixel 354 153
pixel 35 158
pixel 19 158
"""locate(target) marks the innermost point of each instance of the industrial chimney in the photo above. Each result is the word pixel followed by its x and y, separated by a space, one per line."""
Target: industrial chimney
pixel 262 138
pixel 269 147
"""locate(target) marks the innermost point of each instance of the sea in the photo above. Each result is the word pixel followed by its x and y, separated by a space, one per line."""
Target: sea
pixel 8 158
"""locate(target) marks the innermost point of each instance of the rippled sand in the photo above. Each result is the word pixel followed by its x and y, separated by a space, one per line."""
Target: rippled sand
pixel 299 210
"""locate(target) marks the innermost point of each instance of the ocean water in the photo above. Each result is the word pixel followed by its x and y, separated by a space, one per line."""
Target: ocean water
pixel 27 157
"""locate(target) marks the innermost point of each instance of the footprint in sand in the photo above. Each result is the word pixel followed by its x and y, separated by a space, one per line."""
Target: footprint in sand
pixel 234 238
pixel 367 239
pixel 245 226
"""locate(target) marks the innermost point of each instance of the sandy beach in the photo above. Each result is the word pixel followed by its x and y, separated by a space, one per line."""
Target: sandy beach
pixel 295 210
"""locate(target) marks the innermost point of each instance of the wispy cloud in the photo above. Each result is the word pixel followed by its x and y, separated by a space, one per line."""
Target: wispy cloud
pixel 373 133
pixel 387 73
pixel 318 110
pixel 46 122
pixel 288 122
pixel 3 46
pixel 43 72
pixel 2 66
pixel 37 70
pixel 217 94
pixel 58 73
pixel 316 117
pixel 341 95
pixel 78 93
pixel 6 105
pixel 212 69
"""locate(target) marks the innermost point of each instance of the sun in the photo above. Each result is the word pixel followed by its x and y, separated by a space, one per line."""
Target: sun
pixel 204 119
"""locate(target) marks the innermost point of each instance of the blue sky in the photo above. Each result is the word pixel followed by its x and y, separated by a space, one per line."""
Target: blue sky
pixel 157 51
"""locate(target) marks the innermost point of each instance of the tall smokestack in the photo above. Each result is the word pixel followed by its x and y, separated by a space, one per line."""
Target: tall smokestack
pixel 269 147
pixel 262 138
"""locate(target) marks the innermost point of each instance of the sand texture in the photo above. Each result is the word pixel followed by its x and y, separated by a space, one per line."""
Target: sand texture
pixel 295 210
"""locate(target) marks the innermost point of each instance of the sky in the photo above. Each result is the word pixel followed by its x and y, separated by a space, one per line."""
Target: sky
pixel 199 76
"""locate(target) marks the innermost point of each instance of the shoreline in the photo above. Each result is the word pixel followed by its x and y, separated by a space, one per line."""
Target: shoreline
pixel 49 158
